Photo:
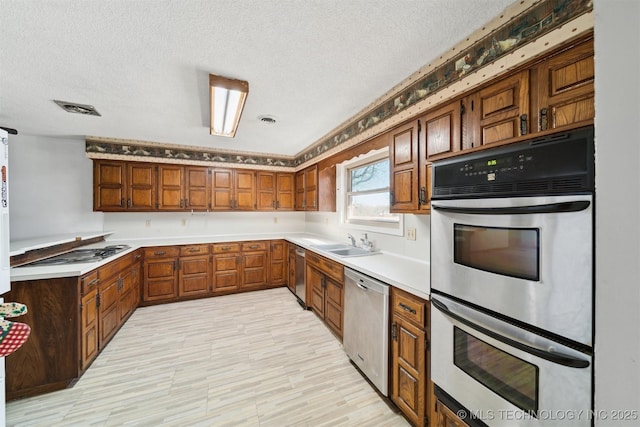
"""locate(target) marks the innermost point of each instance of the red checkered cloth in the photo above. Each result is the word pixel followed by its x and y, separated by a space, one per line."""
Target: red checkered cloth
pixel 14 334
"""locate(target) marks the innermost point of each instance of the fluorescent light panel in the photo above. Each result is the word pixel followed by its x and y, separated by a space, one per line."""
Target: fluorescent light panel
pixel 227 102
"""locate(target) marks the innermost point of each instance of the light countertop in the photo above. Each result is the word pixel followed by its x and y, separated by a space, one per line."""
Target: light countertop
pixel 409 274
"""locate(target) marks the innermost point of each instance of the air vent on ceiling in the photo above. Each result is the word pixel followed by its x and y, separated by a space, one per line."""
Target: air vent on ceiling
pixel 72 107
pixel 270 120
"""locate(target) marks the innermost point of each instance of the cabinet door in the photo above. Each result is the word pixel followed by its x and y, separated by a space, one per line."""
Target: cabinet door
pixel 566 89
pixel 315 283
pixel 141 186
pixel 245 190
pixel 221 189
pixel 311 188
pixel 440 132
pixel 300 202
pixel 125 308
pixel 409 369
pixel 334 296
pixel 497 112
pixel 278 263
pixel 254 269
pixel 170 187
pixel 403 158
pixel 446 417
pixel 196 187
pixel 160 279
pixel 109 186
pixel 108 311
pixel 194 275
pixel 226 271
pixel 89 338
pixel 266 191
pixel 285 191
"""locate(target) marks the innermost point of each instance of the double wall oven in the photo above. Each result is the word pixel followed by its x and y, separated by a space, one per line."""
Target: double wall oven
pixel 512 282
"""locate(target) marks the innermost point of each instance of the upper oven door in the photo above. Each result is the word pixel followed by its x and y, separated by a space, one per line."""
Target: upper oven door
pixel 529 258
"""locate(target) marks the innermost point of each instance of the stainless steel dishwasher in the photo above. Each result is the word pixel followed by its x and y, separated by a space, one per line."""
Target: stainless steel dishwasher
pixel 300 275
pixel 366 326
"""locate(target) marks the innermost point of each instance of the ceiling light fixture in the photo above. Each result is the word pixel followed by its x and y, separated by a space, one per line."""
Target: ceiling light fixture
pixel 74 107
pixel 227 98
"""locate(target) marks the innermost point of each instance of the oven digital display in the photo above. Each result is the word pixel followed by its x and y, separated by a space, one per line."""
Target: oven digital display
pixel 508 376
pixel 511 252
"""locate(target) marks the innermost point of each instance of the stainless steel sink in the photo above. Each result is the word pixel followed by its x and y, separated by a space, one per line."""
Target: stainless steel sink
pixel 350 251
pixel 330 246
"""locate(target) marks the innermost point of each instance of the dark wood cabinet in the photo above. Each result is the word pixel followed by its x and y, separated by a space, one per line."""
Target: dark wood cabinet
pixel 278 262
pixel 565 89
pixel 170 187
pixel 274 191
pixel 197 188
pixel 410 356
pixel 445 417
pixel 160 274
pixel 226 267
pixel 306 186
pixel 254 265
pixel 403 165
pixel 194 278
pixel 325 290
pixel 233 189
pixel 89 318
pixel 123 186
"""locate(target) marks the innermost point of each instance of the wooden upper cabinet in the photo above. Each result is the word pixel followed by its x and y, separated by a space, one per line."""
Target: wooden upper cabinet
pixel 170 187
pixel 119 186
pixel 299 200
pixel 233 189
pixel 274 191
pixel 565 83
pixel 311 188
pixel 285 191
pixel 498 112
pixel 441 132
pixel 196 188
pixel 141 186
pixel 403 158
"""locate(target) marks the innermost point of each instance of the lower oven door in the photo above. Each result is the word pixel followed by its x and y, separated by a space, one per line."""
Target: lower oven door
pixel 506 376
pixel 529 258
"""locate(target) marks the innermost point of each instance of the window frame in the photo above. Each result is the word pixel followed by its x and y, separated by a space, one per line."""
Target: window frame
pixel 343 192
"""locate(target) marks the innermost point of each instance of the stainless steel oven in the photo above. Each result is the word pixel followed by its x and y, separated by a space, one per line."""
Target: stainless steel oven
pixel 512 279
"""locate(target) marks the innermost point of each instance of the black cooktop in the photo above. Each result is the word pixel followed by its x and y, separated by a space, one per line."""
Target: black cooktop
pixel 81 255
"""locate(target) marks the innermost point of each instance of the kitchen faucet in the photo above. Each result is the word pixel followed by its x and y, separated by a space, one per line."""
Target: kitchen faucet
pixel 353 240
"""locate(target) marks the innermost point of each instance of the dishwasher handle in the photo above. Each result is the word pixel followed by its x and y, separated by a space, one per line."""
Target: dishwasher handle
pixel 300 252
pixel 365 282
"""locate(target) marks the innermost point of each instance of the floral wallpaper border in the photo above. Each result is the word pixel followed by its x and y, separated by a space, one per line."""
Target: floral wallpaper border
pixel 534 22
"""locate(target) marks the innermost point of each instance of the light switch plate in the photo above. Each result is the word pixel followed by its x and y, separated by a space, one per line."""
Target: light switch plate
pixel 411 234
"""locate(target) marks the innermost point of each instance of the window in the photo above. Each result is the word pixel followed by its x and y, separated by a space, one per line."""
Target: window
pixel 365 194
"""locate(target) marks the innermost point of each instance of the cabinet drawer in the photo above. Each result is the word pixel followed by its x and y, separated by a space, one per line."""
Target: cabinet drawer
pixel 330 268
pixel 89 282
pixel 220 248
pixel 410 307
pixel 254 246
pixel 194 250
pixel 161 252
pixel 115 267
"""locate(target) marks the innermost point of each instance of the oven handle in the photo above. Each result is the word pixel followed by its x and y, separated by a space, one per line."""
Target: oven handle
pixel 559 358
pixel 575 206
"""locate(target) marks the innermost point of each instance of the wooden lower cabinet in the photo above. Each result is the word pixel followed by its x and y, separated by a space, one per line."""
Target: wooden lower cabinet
pixel 278 261
pixel 411 390
pixel 160 274
pixel 71 320
pixel 254 265
pixel 325 290
pixel 445 417
pixel 194 278
pixel 226 267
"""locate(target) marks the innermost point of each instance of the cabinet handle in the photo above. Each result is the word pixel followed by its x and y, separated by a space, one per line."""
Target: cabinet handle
pixel 192 250
pixel 423 196
pixel 323 282
pixel 392 198
pixel 523 124
pixel 158 253
pixel 226 248
pixel 407 308
pixel 254 246
pixel 181 203
pixel 394 331
pixel 186 203
pixel 273 204
pixel 544 121
pixel 138 256
pixel 122 203
pixel 175 265
pixel 93 282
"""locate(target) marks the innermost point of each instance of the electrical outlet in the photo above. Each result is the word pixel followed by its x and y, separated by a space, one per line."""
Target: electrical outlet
pixel 147 223
pixel 184 222
pixel 275 219
pixel 326 221
pixel 411 234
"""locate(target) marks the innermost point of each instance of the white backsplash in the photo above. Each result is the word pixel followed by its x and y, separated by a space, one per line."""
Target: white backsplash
pixel 328 224
pixel 170 224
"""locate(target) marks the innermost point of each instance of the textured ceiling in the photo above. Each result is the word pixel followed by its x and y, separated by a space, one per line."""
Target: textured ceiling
pixel 144 65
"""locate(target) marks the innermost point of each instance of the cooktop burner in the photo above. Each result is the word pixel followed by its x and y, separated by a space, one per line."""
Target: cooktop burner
pixel 81 255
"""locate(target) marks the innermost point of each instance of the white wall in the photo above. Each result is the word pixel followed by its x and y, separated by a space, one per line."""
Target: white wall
pixel 51 188
pixel 160 224
pixel 617 335
pixel 328 224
